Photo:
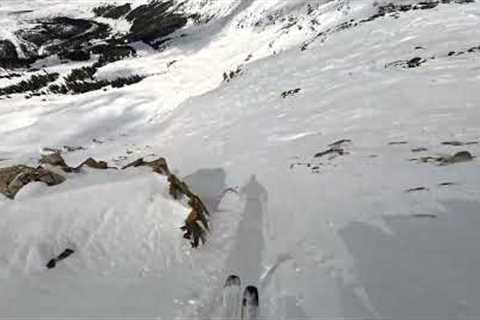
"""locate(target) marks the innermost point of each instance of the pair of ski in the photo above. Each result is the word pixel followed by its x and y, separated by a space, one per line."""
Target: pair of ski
pixel 247 309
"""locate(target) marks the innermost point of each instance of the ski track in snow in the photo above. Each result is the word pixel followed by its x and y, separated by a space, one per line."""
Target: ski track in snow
pixel 339 235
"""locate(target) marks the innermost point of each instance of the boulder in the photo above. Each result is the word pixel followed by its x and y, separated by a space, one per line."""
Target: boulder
pixel 12 179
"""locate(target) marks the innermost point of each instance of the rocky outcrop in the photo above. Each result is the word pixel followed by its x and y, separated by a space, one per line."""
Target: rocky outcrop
pixel 7 51
pixel 154 20
pixel 64 35
pixel 196 224
pixel 12 179
pixel 9 57
pixel 112 11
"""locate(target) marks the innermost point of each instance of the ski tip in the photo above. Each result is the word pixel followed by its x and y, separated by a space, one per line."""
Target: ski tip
pixel 250 296
pixel 232 280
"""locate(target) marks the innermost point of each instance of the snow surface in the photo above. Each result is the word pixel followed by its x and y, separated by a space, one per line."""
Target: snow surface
pixel 342 241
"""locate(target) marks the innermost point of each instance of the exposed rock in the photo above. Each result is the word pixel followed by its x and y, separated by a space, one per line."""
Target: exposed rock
pixel 419 149
pixel 393 143
pixel 424 215
pixel 416 189
pixel 62 33
pixel 8 52
pixel 462 156
pixel 339 142
pixel 54 159
pixel 334 150
pixel 290 92
pixel 65 254
pixel 446 184
pixel 228 76
pixel 159 165
pixel 112 11
pixel 459 143
pixel 92 163
pixel 154 20
pixel 12 179
pixel 73 148
pixel 196 224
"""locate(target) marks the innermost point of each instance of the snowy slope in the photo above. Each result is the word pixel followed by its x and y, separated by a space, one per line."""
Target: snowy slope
pixel 367 234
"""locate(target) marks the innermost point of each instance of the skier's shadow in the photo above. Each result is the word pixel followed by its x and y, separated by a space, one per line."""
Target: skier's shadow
pixel 246 258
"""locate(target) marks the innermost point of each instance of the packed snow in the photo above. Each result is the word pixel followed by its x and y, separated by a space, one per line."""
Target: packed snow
pixel 368 232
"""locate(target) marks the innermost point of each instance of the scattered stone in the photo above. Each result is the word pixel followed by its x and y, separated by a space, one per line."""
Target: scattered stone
pixel 65 254
pixel 458 143
pixel 416 189
pixel 73 148
pixel 291 92
pixel 420 149
pixel 462 156
pixel 228 76
pixel 424 215
pixel 335 150
pixel 415 62
pixel 51 264
pixel 446 184
pixel 339 142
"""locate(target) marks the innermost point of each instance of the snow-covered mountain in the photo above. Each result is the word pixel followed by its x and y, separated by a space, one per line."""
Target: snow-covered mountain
pixel 334 144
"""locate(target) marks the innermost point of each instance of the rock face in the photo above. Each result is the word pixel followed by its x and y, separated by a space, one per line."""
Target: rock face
pixel 7 50
pixel 153 21
pixel 63 35
pixel 8 55
pixel 196 224
pixel 112 11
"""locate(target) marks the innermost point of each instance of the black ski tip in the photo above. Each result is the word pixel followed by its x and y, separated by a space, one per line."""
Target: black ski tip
pixel 250 296
pixel 232 280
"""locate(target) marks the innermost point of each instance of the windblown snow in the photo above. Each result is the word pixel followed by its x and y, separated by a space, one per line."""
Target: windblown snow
pixel 337 132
